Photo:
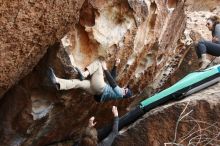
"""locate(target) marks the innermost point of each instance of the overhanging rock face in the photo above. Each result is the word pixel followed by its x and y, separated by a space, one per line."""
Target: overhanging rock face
pixel 150 37
pixel 27 29
pixel 139 33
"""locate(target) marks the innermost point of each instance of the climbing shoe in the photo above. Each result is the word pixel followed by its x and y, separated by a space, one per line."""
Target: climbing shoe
pixel 205 62
pixel 81 77
pixel 52 78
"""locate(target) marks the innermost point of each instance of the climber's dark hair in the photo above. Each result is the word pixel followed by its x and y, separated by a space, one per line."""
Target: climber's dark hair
pixel 215 20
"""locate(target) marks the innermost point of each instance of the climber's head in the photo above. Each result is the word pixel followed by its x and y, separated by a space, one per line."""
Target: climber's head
pixel 89 137
pixel 209 24
pixel 127 92
pixel 212 21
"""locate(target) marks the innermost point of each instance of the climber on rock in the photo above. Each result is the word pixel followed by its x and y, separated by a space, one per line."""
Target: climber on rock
pixel 96 84
pixel 209 47
pixel 90 137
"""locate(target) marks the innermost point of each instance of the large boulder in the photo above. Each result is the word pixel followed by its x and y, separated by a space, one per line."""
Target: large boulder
pixel 28 28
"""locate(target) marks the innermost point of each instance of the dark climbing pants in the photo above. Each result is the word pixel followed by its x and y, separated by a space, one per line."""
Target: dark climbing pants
pixel 207 47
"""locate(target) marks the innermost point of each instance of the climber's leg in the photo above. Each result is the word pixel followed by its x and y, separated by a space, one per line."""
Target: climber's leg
pixel 74 84
pixel 97 77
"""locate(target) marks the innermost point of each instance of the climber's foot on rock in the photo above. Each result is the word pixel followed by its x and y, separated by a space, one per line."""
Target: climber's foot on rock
pixel 81 77
pixel 52 78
